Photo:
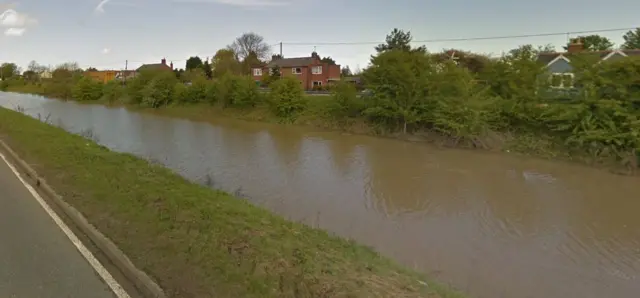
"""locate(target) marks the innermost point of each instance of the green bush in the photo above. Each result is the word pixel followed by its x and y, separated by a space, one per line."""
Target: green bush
pixel 197 91
pixel 87 89
pixel 180 93
pixel 287 97
pixel 345 101
pixel 113 91
pixel 400 83
pixel 159 91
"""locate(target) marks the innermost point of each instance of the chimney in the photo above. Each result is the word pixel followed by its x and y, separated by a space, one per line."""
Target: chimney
pixel 575 46
pixel 275 57
pixel 171 65
pixel 163 61
pixel 315 55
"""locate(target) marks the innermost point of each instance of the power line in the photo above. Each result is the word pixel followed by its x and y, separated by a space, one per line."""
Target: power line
pixel 464 39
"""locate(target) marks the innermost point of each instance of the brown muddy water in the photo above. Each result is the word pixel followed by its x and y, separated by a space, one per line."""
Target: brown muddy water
pixel 492 225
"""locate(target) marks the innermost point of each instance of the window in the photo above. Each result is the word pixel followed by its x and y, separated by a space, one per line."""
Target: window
pixel 561 80
pixel 296 70
pixel 257 72
pixel 316 70
pixel 317 84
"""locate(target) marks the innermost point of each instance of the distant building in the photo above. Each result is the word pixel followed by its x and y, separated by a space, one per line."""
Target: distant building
pixel 558 64
pixel 156 66
pixel 105 76
pixel 310 71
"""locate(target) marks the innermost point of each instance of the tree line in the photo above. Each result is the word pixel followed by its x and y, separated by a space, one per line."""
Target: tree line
pixel 456 97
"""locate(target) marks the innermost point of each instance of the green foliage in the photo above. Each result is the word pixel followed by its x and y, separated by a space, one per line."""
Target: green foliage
pixel 593 42
pixel 196 92
pixel 346 103
pixel 632 39
pixel 287 97
pixel 593 111
pixel 9 70
pixel 180 93
pixel 87 89
pixel 399 40
pixel 113 91
pixel 193 63
pixel 399 81
pixel 159 91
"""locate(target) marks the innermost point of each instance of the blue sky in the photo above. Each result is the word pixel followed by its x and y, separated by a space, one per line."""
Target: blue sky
pixel 145 31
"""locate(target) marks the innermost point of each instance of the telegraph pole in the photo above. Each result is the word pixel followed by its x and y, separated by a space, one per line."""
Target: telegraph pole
pixel 124 75
pixel 281 50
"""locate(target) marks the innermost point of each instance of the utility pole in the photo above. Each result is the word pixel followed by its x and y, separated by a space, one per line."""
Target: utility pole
pixel 281 50
pixel 124 75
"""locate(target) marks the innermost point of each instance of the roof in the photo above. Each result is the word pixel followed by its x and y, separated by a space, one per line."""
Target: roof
pixel 291 62
pixel 154 66
pixel 548 57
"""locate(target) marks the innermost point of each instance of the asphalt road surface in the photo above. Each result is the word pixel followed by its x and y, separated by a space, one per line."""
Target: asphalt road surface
pixel 38 258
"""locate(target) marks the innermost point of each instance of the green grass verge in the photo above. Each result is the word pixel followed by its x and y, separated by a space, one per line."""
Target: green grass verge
pixel 197 242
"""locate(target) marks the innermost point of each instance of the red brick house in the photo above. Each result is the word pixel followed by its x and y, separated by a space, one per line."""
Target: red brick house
pixel 310 71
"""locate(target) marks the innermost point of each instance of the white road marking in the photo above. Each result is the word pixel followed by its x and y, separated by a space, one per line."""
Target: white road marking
pixel 106 276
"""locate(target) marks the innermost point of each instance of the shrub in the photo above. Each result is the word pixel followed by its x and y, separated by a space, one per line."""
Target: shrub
pixel 87 89
pixel 113 90
pixel 180 93
pixel 245 92
pixel 159 91
pixel 287 97
pixel 345 101
pixel 197 91
pixel 399 82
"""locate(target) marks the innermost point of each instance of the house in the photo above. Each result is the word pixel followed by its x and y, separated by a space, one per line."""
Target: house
pixel 46 74
pixel 310 71
pixel 559 64
pixel 156 66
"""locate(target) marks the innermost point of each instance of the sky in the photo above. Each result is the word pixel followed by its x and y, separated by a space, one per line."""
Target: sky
pixel 107 33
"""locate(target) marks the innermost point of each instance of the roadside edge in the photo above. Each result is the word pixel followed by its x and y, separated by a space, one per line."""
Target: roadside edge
pixel 139 278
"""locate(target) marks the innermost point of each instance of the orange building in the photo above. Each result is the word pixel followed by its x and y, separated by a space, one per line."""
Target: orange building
pixel 105 76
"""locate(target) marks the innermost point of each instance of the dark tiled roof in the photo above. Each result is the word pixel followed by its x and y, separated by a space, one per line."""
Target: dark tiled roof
pixel 546 58
pixel 155 66
pixel 291 62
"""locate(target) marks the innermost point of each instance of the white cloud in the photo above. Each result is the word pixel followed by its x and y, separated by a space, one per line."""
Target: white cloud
pixel 14 31
pixel 242 2
pixel 106 51
pixel 100 7
pixel 12 18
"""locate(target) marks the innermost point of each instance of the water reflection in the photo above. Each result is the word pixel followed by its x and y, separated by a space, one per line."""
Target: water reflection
pixel 493 225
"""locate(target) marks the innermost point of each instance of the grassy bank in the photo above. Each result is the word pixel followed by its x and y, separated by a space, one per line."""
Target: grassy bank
pixel 197 242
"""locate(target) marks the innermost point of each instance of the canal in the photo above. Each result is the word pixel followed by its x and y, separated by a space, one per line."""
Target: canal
pixel 492 225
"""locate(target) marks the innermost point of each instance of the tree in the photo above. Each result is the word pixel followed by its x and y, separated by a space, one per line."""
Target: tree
pixel 92 69
pixel 9 70
pixel 207 69
pixel 193 63
pixel 224 61
pixel 271 76
pixel 328 60
pixel 399 40
pixel 399 80
pixel 30 75
pixel 593 42
pixel 632 39
pixel 528 51
pixel 250 42
pixel 346 71
pixel 249 62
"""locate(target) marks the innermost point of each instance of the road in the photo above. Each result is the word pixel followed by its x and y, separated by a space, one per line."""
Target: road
pixel 39 255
